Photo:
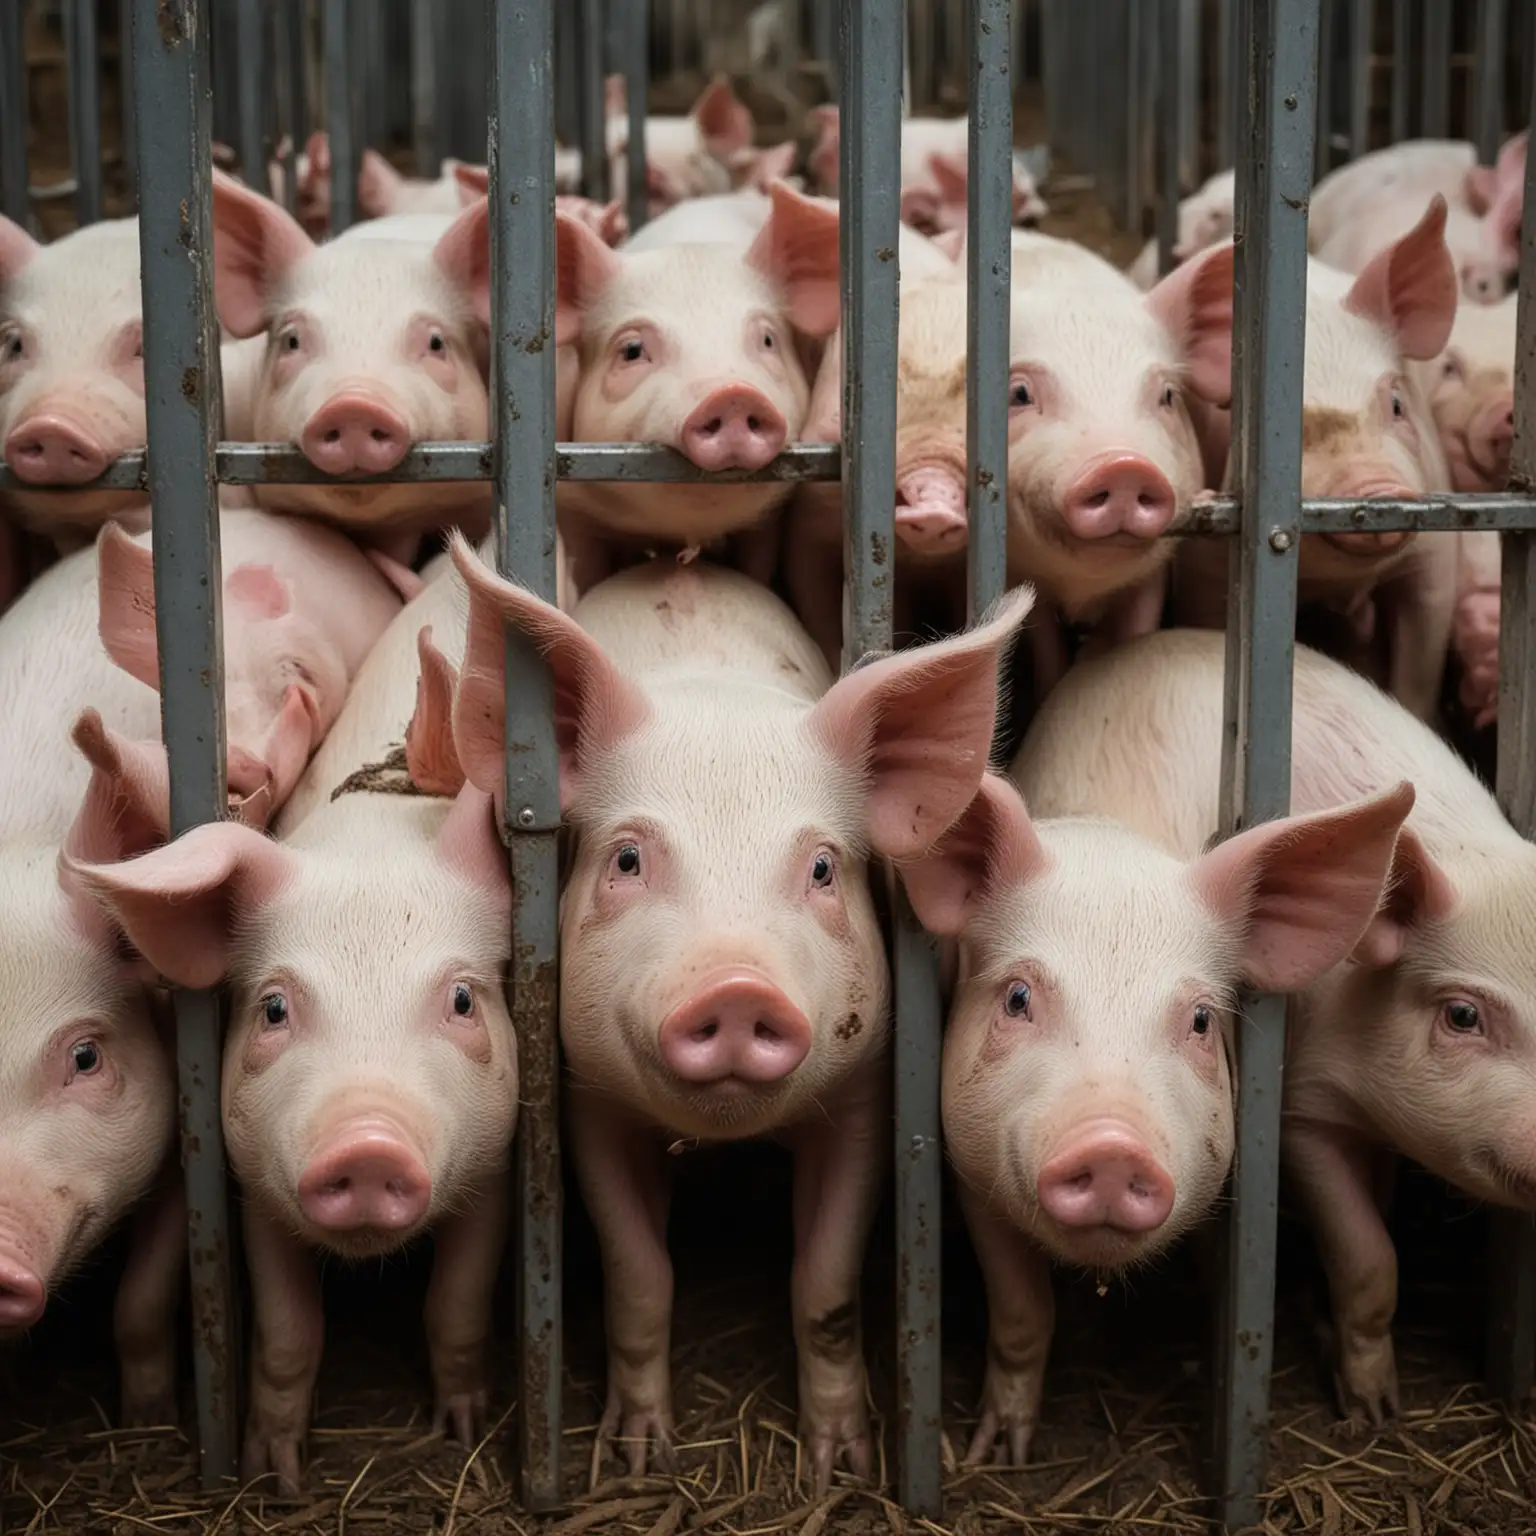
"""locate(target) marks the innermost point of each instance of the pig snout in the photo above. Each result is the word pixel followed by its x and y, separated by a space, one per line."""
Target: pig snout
pixel 930 511
pixel 1120 493
pixel 354 434
pixel 1491 435
pixel 735 428
pixel 52 450
pixel 737 1025
pixel 1106 1177
pixel 365 1176
pixel 1371 490
pixel 22 1295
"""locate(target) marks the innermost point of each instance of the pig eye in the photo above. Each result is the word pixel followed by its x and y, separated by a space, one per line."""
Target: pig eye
pixel 463 1000
pixel 1462 1017
pixel 289 341
pixel 628 859
pixel 1451 367
pixel 436 344
pixel 84 1059
pixel 11 343
pixel 1202 1021
pixel 823 869
pixel 632 350
pixel 1166 398
pixel 768 340
pixel 1016 1004
pixel 1398 412
pixel 1020 398
pixel 274 1010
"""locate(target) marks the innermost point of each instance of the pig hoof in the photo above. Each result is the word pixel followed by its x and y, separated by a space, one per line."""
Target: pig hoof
pixel 151 1409
pixel 639 1433
pixel 464 1414
pixel 1366 1384
pixel 1010 1401
pixel 848 1443
pixel 996 1426
pixel 277 1455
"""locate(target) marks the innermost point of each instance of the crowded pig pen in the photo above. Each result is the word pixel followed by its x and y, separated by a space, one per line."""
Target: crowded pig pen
pixel 803 810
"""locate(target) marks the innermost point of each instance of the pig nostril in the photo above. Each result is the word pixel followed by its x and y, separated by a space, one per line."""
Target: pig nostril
pixel 380 435
pixel 1098 499
pixel 709 1031
pixel 711 427
pixel 334 435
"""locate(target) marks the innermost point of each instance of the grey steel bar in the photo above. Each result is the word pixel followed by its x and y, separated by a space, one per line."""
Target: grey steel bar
pixel 1187 94
pixel 84 106
pixel 825 40
pixel 989 256
pixel 1328 31
pixel 424 138
pixel 594 126
pixel 14 201
pixel 287 84
pixel 339 120
pixel 1169 82
pixel 181 396
pixel 522 160
pixel 1228 71
pixel 1488 89
pixel 1402 64
pixel 1273 184
pixel 250 82
pixel 1436 83
pixel 1362 13
pixel 1511 1365
pixel 636 17
pixel 127 105
pixel 1133 143
pixel 300 35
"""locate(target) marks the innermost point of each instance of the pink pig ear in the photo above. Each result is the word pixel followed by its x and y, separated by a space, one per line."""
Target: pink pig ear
pixel 464 255
pixel 294 736
pixel 725 121
pixel 1194 302
pixel 127 807
pixel 473 181
pixel 1480 187
pixel 951 242
pixel 1410 289
pixel 595 705
pixel 1417 893
pixel 1304 889
pixel 470 843
pixel 917 727
pixel 125 576
pixel 992 847
pixel 430 754
pixel 182 904
pixel 1511 162
pixel 584 266
pixel 17 248
pixel 797 249
pixel 953 175
pixel 255 244
pixel 400 576
pixel 378 184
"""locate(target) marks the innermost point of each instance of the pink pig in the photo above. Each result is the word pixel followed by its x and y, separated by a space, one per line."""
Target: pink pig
pixel 722 973
pixel 685 157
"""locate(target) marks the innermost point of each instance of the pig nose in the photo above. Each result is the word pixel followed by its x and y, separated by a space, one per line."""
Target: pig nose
pixel 738 1024
pixel 1492 434
pixel 353 434
pixel 735 428
pixel 1106 1178
pixel 1371 543
pixel 930 511
pixel 22 1295
pixel 1119 493
pixel 48 450
pixel 366 1177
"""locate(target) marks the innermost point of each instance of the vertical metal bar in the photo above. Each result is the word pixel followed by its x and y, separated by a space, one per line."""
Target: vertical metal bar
pixel 84 106
pixel 1328 20
pixel 424 139
pixel 825 37
pixel 1488 89
pixel 1437 69
pixel 285 92
pixel 1511 1364
pixel 522 161
pixel 1186 75
pixel 1402 66
pixel 1227 74
pixel 1274 180
pixel 181 396
pixel 127 105
pixel 339 117
pixel 250 78
pixel 1362 13
pixel 1169 80
pixel 636 17
pixel 14 200
pixel 594 126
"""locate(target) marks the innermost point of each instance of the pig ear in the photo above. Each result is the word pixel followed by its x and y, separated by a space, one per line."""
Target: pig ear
pixel 953 175
pixel 583 267
pixel 125 580
pixel 951 242
pixel 797 249
pixel 464 255
pixel 918 725
pixel 1410 289
pixel 1479 188
pixel 181 904
pixel 473 181
pixel 317 150
pixel 725 121
pixel 17 248
pixel 1511 161
pixel 378 184
pixel 255 243
pixel 430 754
pixel 127 807
pixel 920 207
pixel 400 576
pixel 293 737
pixel 613 225
pixel 1304 889
pixel 1417 893
pixel 470 843
pixel 770 166
pixel 595 705
pixel 992 847
pixel 1194 302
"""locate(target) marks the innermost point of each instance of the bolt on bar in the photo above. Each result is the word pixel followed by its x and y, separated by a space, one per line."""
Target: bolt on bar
pixel 1170 79
pixel 594 101
pixel 636 18
pixel 522 163
pixel 338 116
pixel 1511 1344
pixel 181 397
pixel 1274 179
pixel 14 200
pixel 1488 87
pixel 84 106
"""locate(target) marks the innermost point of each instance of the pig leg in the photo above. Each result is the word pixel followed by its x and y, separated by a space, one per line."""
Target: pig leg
pixel 1420 613
pixel 288 1335
pixel 1475 629
pixel 144 1316
pixel 1021 1312
pixel 838 1162
pixel 627 1187
pixel 1136 611
pixel 458 1309
pixel 1048 652
pixel 1337 1178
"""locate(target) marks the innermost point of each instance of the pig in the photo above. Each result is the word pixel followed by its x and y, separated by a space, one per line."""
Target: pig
pixel 1086 1087
pixel 692 346
pixel 1475 626
pixel 685 157
pixel 1205 217
pixel 370 1073
pixel 382 190
pixel 722 974
pixel 375 342
pixel 1367 432
pixel 1421 1045
pixel 606 220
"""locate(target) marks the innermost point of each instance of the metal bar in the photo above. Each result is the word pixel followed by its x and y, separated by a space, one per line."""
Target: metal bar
pixel 522 161
pixel 1228 70
pixel 636 16
pixel 1362 14
pixel 339 117
pixel 1187 92
pixel 424 139
pixel 1274 181
pixel 84 107
pixel 250 82
pixel 1436 83
pixel 1402 64
pixel 1488 88
pixel 592 97
pixel 14 201
pixel 1511 1365
pixel 1328 25
pixel 181 397
pixel 127 105
pixel 1169 80
pixel 1134 138
pixel 286 87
